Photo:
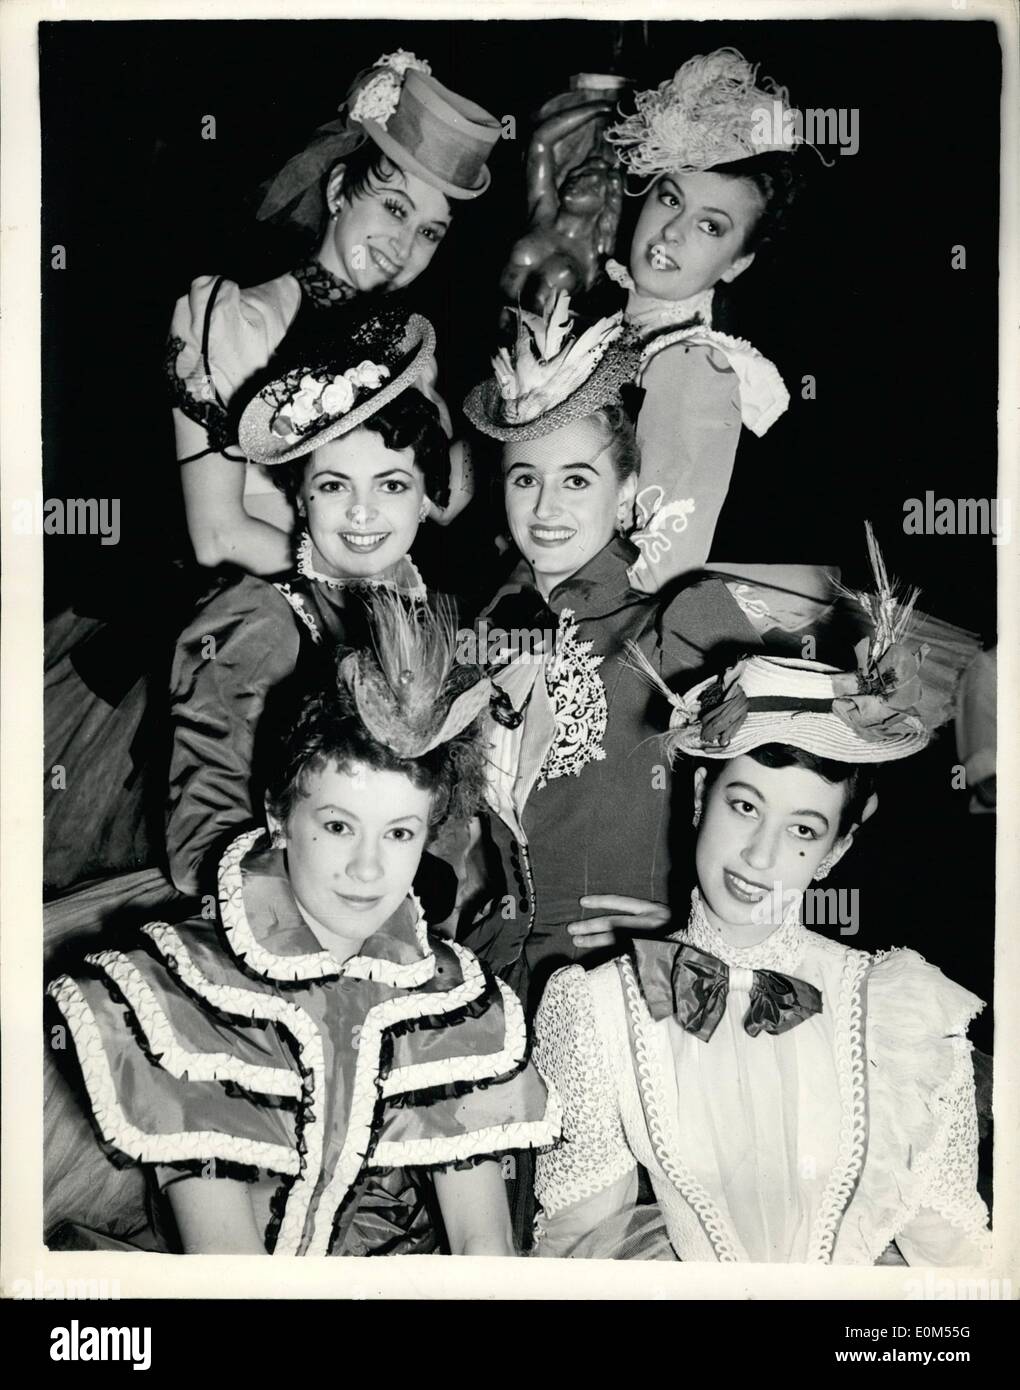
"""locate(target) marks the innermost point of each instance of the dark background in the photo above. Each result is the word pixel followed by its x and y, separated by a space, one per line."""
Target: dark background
pixel 860 294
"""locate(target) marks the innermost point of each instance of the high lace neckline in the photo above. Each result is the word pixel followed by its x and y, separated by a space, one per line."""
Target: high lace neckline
pixel 321 286
pixel 405 578
pixel 782 950
pixel 645 313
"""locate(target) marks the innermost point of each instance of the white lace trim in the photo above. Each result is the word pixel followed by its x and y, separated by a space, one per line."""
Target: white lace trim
pixel 297 602
pixel 252 1004
pixel 662 1129
pixel 406 578
pixel 783 950
pixel 419 1076
pixel 314 965
pixel 579 705
pixel 570 1049
pixel 366 1089
pixel 848 1038
pixel 178 1060
pixel 117 1129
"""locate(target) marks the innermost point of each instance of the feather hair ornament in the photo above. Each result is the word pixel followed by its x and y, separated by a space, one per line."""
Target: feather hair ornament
pixel 545 365
pixel 410 691
pixel 710 112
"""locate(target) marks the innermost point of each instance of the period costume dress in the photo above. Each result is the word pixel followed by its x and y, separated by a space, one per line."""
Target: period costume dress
pixel 579 792
pixel 851 1127
pixel 252 1052
pixel 248 655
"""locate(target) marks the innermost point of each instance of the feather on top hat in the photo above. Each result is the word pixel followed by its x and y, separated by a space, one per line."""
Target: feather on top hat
pixel 316 401
pixel 710 112
pixel 548 377
pixel 879 712
pixel 411 693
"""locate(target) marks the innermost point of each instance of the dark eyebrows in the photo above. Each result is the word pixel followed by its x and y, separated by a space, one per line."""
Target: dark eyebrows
pixel 720 212
pixel 338 809
pixel 563 467
pixel 433 221
pixel 747 787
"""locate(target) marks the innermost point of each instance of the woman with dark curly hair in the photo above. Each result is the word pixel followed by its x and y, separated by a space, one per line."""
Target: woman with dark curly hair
pixel 321 1074
pixel 723 180
pixel 359 451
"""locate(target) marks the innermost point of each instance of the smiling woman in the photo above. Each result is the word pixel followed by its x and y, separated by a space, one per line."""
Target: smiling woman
pixel 353 443
pixel 375 192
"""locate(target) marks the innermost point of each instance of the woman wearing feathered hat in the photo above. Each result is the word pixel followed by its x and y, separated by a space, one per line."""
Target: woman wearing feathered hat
pixel 301 1081
pixel 716 155
pixel 791 1098
pixel 578 790
pixel 358 451
pixel 375 191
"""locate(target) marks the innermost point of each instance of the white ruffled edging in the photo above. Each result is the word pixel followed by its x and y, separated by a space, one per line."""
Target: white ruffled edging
pixel 314 965
pixel 252 1005
pixel 763 394
pixel 117 1129
pixel 519 1134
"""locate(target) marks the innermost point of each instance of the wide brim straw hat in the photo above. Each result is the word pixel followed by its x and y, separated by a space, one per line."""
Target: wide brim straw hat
pixel 485 407
pixel 787 701
pixel 309 405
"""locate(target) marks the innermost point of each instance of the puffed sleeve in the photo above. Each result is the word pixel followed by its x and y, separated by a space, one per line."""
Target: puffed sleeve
pixel 701 629
pixel 220 335
pixel 240 645
pixel 592 1173
pixel 920 1180
pixel 170 1081
pixel 460 1084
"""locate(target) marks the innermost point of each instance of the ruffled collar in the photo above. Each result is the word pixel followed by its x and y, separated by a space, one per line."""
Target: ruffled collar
pixel 319 285
pixel 647 314
pixel 781 951
pixel 266 931
pixel 405 577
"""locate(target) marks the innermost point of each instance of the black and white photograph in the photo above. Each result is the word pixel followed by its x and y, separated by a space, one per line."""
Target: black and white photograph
pixel 508 513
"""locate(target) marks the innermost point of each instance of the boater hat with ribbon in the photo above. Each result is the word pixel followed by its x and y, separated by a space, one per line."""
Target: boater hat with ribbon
pixel 416 121
pixel 877 713
pixel 710 113
pixel 314 402
pixel 548 378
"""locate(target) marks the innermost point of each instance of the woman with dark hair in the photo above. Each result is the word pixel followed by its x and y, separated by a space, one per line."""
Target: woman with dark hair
pixel 360 453
pixel 375 191
pixel 791 1098
pixel 723 179
pixel 319 1075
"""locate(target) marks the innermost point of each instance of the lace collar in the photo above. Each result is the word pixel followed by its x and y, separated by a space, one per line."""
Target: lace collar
pixel 647 314
pixel 267 931
pixel 405 577
pixel 321 286
pixel 781 951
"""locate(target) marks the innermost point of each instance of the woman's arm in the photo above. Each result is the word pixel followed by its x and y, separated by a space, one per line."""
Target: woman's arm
pixel 214 1217
pixel 475 1210
pixel 221 531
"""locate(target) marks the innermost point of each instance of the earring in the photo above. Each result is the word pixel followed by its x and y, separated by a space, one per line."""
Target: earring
pixel 423 510
pixel 277 839
pixel 826 864
pixel 696 818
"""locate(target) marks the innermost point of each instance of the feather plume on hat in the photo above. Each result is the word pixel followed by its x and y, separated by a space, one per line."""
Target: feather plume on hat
pixel 545 365
pixel 409 689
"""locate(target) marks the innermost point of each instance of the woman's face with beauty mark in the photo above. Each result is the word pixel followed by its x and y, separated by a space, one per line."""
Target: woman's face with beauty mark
pixel 563 498
pixel 386 234
pixel 353 842
pixel 691 233
pixel 362 502
pixel 763 833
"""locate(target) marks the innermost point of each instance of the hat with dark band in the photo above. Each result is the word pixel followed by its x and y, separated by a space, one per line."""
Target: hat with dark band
pixel 317 401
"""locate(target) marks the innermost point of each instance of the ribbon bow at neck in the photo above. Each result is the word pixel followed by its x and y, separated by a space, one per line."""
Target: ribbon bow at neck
pixel 680 979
